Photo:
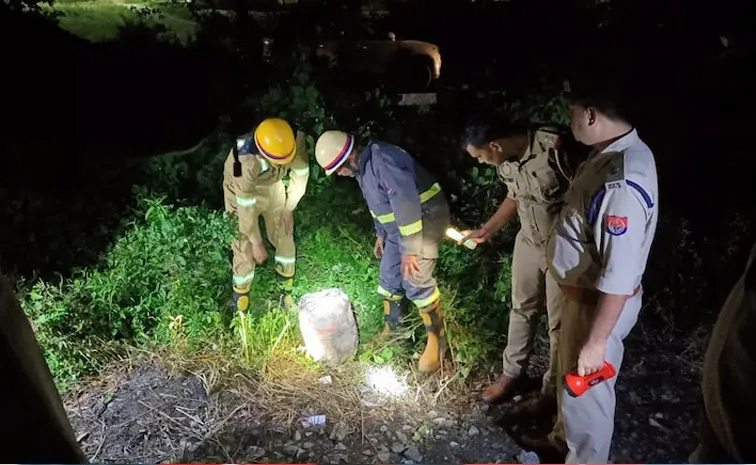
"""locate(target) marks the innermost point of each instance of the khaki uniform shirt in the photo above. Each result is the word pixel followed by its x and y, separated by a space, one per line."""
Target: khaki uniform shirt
pixel 603 235
pixel 537 182
pixel 261 179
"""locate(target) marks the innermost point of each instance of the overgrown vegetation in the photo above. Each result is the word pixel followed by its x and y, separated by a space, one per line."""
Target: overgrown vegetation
pixel 101 20
pixel 163 281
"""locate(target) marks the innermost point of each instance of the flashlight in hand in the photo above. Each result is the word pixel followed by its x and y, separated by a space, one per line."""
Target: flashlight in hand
pixel 576 385
pixel 452 233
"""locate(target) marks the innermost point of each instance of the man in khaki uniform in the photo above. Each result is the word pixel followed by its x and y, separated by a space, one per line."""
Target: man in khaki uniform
pixel 267 158
pixel 597 252
pixel 729 376
pixel 35 428
pixel 534 168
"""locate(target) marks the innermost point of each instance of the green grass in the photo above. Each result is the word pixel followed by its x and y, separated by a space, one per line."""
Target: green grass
pixel 101 20
pixel 165 282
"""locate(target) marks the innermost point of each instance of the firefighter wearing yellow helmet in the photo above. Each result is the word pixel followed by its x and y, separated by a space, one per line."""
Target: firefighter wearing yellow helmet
pixel 411 215
pixel 274 174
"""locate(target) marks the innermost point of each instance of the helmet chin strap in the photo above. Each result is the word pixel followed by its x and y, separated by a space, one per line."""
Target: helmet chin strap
pixel 348 167
pixel 352 163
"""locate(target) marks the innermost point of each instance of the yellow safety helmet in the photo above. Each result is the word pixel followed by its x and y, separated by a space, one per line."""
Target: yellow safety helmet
pixel 332 150
pixel 275 140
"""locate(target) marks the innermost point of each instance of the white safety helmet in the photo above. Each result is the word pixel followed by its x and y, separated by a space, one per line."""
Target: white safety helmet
pixel 333 149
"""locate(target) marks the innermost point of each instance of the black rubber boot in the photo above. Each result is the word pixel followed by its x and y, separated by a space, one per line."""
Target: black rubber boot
pixel 393 312
pixel 286 284
pixel 241 297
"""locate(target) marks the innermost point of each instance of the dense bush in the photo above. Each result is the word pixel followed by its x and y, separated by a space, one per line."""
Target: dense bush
pixel 153 266
pixel 165 279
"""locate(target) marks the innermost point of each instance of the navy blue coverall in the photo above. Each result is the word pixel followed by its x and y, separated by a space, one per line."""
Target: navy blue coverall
pixel 410 212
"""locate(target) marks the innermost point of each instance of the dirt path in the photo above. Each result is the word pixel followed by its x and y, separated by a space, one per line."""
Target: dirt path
pixel 150 415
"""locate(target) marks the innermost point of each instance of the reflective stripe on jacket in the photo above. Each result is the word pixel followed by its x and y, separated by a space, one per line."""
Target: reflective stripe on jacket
pixel 399 193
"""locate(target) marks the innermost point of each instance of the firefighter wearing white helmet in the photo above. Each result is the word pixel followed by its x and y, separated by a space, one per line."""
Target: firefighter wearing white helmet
pixel 267 157
pixel 410 214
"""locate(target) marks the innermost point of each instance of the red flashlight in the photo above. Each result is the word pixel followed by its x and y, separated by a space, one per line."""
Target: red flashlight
pixel 576 385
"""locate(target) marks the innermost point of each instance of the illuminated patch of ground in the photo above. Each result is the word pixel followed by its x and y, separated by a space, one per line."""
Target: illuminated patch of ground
pixel 151 413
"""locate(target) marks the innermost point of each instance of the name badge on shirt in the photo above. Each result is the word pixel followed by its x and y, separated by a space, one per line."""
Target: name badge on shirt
pixel 613 185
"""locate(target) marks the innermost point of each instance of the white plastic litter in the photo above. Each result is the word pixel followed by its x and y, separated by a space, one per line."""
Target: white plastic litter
pixel 316 420
pixel 328 327
pixel 526 456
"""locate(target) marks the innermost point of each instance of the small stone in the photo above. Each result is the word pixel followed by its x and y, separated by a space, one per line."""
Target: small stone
pixel 432 414
pixel 398 448
pixel 453 444
pixel 384 428
pixel 291 449
pixel 308 434
pixel 308 445
pixel 413 453
pixel 297 436
pixel 341 457
pixel 439 421
pixel 340 446
pixel 516 399
pixel 450 424
pixel 339 432
pixel 384 457
pixel 655 423
pixel 402 437
pixel 256 452
pixel 367 452
pixel 407 428
pixel 473 431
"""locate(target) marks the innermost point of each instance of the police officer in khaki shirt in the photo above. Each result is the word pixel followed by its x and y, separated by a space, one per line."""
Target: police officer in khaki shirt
pixel 530 162
pixel 597 252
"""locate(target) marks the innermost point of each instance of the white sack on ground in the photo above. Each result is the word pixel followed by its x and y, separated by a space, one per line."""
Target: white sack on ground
pixel 328 326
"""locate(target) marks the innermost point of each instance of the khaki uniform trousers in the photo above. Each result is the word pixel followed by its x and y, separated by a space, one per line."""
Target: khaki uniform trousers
pixel 269 203
pixel 34 426
pixel 586 423
pixel 533 290
pixel 729 376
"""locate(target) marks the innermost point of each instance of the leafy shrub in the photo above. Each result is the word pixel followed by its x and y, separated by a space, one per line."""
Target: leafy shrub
pixel 165 281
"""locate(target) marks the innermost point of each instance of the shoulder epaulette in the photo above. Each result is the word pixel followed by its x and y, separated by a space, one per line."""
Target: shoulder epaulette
pixel 615 176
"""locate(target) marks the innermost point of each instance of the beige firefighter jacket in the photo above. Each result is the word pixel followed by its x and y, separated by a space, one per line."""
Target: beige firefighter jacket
pixel 261 179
